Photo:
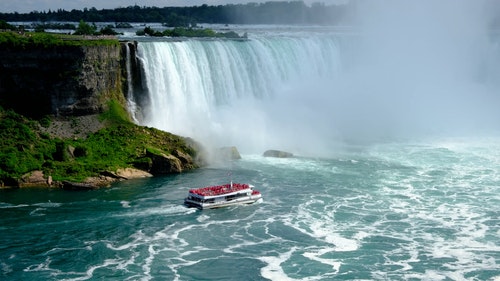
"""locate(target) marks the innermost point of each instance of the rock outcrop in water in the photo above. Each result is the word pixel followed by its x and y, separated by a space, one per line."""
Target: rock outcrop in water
pixel 277 154
pixel 228 153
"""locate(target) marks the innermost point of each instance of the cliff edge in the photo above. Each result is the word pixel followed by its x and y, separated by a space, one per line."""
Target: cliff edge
pixel 64 122
pixel 68 80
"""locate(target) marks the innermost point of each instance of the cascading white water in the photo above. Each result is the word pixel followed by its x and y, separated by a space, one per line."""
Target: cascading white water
pixel 230 92
pixel 132 106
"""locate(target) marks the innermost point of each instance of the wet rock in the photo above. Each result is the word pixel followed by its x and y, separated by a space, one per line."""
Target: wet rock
pixel 277 154
pixel 229 153
pixel 183 157
pixel 69 185
pixel 164 164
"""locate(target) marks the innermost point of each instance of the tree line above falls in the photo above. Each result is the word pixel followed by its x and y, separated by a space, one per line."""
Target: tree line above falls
pixel 295 12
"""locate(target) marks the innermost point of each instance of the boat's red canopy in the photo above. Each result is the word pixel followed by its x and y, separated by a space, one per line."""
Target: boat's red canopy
pixel 219 189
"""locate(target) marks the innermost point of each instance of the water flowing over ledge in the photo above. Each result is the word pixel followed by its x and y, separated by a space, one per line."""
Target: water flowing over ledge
pixel 232 91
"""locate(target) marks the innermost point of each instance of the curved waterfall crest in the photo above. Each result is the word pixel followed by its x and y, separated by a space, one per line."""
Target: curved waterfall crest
pixel 208 89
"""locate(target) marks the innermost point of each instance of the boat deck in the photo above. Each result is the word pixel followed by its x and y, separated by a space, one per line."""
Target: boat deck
pixel 219 189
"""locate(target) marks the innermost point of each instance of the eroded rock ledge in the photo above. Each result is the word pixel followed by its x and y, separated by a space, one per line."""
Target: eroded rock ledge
pixel 39 180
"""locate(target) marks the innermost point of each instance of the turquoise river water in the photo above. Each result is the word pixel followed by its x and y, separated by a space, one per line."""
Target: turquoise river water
pixel 395 211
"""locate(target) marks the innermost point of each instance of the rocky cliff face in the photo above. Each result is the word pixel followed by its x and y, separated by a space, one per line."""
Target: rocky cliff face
pixel 60 80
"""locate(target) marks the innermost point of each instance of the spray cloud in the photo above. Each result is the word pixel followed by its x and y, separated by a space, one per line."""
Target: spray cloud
pixel 421 67
pixel 407 69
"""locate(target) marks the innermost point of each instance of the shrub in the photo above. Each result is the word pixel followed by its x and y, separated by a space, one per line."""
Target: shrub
pixel 108 30
pixel 85 29
pixel 115 113
pixel 5 25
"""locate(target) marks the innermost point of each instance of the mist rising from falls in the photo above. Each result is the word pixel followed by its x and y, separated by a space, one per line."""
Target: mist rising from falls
pixel 245 93
pixel 427 68
pixel 408 71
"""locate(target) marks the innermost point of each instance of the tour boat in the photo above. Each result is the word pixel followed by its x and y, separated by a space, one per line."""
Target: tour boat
pixel 222 195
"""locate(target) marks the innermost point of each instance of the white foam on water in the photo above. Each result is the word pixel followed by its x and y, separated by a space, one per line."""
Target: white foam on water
pixel 246 243
pixel 427 275
pixel 316 256
pixel 361 235
pixel 38 212
pixel 125 204
pixel 139 238
pixel 326 233
pixel 8 206
pixel 463 227
pixel 5 268
pixel 173 209
pixel 321 226
pixel 89 273
pixel 143 251
pixel 202 218
pixel 61 250
pixel 273 269
pixel 440 195
pixel 48 204
pixel 149 247
pixel 146 267
pixel 39 267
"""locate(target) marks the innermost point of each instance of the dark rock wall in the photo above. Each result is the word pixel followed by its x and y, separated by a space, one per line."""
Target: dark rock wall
pixel 68 80
pixel 134 75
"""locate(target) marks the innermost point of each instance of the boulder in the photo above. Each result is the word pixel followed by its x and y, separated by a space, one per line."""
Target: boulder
pixel 229 153
pixel 131 173
pixel 90 183
pixel 185 158
pixel 277 154
pixel 164 164
pixel 35 179
pixel 69 185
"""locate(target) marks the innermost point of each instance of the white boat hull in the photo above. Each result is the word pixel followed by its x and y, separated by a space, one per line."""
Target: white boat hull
pixel 224 203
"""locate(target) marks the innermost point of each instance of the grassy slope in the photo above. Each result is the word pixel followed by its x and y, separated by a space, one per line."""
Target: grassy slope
pixel 120 144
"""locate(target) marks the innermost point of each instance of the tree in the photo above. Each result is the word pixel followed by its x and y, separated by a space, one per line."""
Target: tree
pixel 5 25
pixel 85 29
pixel 108 30
pixel 175 20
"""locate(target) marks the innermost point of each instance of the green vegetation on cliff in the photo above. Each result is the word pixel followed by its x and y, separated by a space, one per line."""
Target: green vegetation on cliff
pixel 21 148
pixel 24 148
pixel 74 125
pixel 190 32
pixel 33 39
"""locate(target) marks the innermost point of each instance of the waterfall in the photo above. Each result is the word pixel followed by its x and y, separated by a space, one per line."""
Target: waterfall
pixel 131 103
pixel 230 92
